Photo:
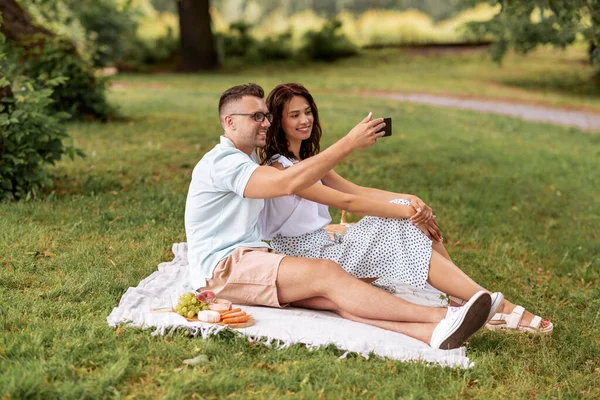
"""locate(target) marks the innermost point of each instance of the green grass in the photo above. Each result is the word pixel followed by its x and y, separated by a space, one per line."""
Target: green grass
pixel 517 201
pixel 546 76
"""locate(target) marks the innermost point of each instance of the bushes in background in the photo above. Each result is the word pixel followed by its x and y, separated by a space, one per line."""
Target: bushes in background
pixel 79 93
pixel 32 135
pixel 328 44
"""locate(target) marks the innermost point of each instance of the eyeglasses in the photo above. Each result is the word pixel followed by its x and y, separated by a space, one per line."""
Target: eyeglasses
pixel 259 116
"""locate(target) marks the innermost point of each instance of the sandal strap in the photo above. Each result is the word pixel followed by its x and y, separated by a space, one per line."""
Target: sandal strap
pixel 515 317
pixel 536 322
pixel 499 317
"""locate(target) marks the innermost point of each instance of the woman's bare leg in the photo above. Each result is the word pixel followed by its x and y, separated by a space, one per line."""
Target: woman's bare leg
pixel 440 248
pixel 448 278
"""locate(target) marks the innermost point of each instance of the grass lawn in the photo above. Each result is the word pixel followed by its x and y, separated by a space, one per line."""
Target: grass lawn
pixel 518 203
pixel 549 77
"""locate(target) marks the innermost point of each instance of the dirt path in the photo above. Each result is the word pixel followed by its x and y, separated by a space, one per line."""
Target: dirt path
pixel 585 120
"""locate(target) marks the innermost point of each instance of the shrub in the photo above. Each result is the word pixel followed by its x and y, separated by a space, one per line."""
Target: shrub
pixel 31 137
pixel 328 44
pixel 80 93
pixel 238 42
pixel 279 47
pixel 108 23
pixel 144 52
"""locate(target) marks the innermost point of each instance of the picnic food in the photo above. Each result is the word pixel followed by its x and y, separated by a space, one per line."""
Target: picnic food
pixel 233 315
pixel 188 305
pixel 237 320
pixel 219 305
pixel 209 316
pixel 208 308
pixel 235 310
pixel 206 296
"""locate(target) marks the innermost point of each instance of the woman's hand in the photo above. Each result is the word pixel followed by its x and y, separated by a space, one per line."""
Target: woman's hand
pixel 432 230
pixel 366 133
pixel 424 213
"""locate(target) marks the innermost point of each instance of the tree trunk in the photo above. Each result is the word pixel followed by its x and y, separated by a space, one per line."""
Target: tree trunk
pixel 5 91
pixel 17 23
pixel 198 51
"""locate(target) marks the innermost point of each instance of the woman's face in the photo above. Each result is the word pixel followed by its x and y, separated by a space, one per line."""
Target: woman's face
pixel 297 120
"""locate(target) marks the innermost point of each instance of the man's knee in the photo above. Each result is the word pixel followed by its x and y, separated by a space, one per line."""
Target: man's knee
pixel 327 269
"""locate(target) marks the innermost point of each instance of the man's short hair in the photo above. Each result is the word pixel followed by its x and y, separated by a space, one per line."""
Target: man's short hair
pixel 237 92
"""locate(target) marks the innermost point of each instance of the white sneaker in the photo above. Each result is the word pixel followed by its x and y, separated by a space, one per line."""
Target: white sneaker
pixel 497 299
pixel 462 322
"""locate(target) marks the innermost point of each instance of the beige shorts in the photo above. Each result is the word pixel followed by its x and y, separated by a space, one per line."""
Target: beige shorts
pixel 247 276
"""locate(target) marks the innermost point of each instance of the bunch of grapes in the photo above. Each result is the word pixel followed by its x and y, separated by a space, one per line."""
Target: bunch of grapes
pixel 189 306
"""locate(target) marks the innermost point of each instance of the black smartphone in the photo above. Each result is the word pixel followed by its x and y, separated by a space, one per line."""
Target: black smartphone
pixel 388 127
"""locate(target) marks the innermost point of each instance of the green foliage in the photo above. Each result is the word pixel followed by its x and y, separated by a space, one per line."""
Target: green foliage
pixel 278 47
pixel 81 93
pixel 523 25
pixel 143 53
pixel 32 136
pixel 238 42
pixel 110 24
pixel 328 44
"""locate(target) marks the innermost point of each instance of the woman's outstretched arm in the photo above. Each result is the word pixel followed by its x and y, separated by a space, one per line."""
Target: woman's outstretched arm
pixel 356 204
pixel 336 181
pixel 363 205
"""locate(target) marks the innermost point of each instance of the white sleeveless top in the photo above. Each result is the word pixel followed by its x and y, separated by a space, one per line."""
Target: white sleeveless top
pixel 291 215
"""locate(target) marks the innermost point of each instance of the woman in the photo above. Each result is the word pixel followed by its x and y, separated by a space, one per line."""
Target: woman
pixel 399 240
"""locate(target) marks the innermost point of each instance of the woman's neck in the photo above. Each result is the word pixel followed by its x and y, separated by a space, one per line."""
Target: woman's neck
pixel 294 147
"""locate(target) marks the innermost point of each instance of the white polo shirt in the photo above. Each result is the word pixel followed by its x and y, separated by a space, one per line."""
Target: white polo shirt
pixel 218 218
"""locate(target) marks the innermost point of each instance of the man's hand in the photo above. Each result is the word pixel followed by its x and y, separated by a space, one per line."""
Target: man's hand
pixel 424 213
pixel 365 134
pixel 432 230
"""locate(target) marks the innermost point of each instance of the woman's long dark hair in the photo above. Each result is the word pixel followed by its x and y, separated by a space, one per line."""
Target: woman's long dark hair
pixel 277 143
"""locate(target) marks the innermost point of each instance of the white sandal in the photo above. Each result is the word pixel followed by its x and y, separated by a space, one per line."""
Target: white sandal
pixel 512 321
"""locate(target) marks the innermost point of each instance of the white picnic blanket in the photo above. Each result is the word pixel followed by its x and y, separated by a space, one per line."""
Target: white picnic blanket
pixel 147 305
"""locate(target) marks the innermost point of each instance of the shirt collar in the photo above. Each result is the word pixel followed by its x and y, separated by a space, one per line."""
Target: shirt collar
pixel 225 141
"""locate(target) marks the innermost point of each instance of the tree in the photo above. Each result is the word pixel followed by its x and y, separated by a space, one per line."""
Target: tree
pixel 198 50
pixel 5 92
pixel 525 24
pixel 49 58
pixel 18 25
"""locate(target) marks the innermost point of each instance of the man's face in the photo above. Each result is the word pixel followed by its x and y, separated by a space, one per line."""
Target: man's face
pixel 248 133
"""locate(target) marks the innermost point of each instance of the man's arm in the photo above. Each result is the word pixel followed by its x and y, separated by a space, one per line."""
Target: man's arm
pixel 268 182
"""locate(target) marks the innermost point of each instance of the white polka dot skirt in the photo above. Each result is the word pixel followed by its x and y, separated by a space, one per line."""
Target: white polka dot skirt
pixel 389 249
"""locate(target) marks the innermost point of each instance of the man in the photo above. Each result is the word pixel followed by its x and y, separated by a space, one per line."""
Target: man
pixel 227 256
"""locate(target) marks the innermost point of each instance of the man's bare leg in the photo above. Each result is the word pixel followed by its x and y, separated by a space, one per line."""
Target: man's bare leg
pixel 300 279
pixel 420 331
pixel 304 278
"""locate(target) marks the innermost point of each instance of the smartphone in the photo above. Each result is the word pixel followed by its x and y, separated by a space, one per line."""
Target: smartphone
pixel 388 127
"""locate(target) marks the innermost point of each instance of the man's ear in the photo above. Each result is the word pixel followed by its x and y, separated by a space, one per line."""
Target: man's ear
pixel 229 122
